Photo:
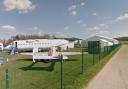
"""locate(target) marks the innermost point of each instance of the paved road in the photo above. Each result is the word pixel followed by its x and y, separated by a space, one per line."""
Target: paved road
pixel 115 73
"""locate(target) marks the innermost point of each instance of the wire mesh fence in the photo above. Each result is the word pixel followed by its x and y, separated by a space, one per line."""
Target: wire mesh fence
pixel 57 74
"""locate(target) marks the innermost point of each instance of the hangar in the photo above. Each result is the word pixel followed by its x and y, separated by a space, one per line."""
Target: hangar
pixel 104 40
pixel 97 44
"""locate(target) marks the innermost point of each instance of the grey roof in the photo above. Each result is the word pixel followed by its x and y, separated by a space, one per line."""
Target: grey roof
pixel 97 37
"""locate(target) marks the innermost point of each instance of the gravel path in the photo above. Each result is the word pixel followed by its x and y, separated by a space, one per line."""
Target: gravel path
pixel 115 73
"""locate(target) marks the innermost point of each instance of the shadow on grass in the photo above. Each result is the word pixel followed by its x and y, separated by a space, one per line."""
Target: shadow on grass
pixel 47 61
pixel 24 59
pixel 49 68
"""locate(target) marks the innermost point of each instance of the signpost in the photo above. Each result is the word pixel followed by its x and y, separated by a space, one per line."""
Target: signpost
pixel 61 59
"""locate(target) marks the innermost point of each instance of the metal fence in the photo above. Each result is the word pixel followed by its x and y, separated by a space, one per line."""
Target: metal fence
pixel 57 74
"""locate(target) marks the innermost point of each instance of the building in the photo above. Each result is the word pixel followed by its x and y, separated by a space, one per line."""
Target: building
pixel 73 42
pixel 98 44
pixel 68 45
pixel 104 40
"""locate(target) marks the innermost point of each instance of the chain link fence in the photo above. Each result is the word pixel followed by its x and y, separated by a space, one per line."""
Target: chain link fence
pixel 56 74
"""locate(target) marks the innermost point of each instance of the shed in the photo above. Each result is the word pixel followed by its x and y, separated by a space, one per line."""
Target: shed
pixel 96 46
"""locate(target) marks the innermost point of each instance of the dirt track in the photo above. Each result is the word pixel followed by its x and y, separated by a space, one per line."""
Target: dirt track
pixel 115 73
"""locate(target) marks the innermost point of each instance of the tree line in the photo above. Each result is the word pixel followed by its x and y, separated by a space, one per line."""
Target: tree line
pixel 122 38
pixel 24 37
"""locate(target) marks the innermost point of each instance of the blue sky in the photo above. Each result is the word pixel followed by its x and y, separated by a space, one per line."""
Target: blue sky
pixel 78 18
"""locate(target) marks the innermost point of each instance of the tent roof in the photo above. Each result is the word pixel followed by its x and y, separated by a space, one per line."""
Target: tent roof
pixel 98 38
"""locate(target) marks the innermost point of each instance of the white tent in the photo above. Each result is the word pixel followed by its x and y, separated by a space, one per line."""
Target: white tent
pixel 105 41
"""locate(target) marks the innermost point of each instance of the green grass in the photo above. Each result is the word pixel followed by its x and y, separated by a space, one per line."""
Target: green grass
pixel 75 50
pixel 23 74
pixel 84 79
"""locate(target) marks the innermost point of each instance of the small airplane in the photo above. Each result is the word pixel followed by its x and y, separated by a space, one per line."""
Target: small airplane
pixel 37 44
pixel 22 45
pixel 50 55
pixel 50 45
pixel 28 45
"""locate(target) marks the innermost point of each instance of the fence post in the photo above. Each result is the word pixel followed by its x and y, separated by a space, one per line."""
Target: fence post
pixel 61 59
pixel 93 58
pixel 99 53
pixel 7 79
pixel 107 50
pixel 104 51
pixel 82 61
pixel 93 54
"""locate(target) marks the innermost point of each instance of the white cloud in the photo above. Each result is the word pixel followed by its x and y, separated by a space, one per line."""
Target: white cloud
pixel 36 28
pixel 103 25
pixel 82 3
pixel 60 34
pixel 8 28
pixel 73 13
pixel 94 14
pixel 99 27
pixel 79 21
pixel 73 7
pixel 96 28
pixel 104 32
pixel 66 28
pixel 83 25
pixel 22 6
pixel 122 17
pixel 72 10
pixel 9 4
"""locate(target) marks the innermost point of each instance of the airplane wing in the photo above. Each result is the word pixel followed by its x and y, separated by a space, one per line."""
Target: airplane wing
pixel 64 53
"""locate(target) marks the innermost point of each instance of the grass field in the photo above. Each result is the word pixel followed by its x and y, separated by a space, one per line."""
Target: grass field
pixel 76 50
pixel 24 74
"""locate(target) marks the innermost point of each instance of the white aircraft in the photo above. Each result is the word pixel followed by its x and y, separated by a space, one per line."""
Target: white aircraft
pixel 51 54
pixel 40 43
